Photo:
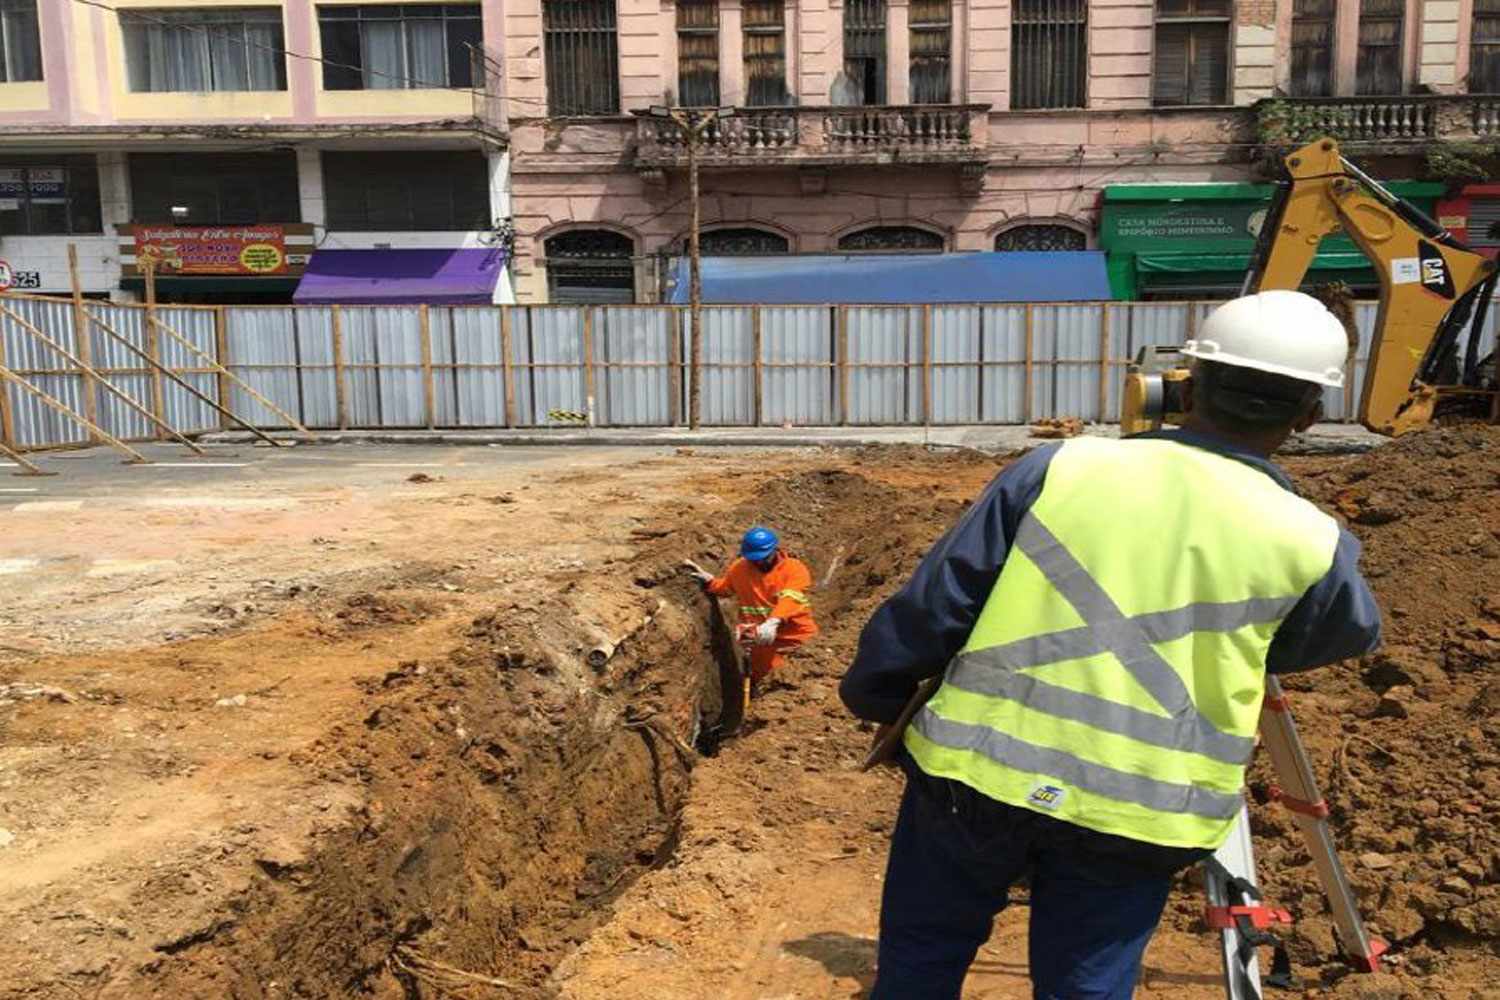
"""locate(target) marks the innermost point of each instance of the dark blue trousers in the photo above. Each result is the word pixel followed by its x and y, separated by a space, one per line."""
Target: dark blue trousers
pixel 954 857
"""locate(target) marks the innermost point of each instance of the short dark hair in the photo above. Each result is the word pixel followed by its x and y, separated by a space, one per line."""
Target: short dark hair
pixel 1247 401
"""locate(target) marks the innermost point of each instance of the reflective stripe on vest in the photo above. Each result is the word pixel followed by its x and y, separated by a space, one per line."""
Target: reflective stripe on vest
pixel 1065 702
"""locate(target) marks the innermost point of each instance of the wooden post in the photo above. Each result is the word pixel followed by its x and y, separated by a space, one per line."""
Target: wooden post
pixel 429 384
pixel 32 469
pixel 1103 363
pixel 509 367
pixel 1026 401
pixel 153 342
pixel 674 368
pixel 7 417
pixel 758 365
pixel 927 364
pixel 221 347
pixel 82 342
pixel 843 364
pixel 588 363
pixel 340 386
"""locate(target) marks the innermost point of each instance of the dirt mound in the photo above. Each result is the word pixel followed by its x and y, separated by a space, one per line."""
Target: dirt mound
pixel 1407 741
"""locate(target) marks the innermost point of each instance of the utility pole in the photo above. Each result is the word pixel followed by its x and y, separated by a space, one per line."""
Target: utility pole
pixel 693 123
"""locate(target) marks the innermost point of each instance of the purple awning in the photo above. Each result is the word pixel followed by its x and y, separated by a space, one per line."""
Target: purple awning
pixel 436 277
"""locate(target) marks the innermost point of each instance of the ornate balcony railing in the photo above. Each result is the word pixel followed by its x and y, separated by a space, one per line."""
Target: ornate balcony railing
pixel 1379 121
pixel 823 136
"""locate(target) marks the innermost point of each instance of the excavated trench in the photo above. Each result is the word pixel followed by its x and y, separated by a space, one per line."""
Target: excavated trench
pixel 514 784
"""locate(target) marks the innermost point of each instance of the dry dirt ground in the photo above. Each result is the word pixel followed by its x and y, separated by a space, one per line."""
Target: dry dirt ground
pixel 326 724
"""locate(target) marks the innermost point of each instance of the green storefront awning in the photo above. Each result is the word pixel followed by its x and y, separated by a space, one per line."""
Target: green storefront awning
pixel 1238 263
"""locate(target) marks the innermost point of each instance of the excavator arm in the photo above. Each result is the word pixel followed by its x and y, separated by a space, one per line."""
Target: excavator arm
pixel 1430 286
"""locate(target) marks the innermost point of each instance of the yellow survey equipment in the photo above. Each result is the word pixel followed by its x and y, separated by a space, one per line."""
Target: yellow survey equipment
pixel 1433 290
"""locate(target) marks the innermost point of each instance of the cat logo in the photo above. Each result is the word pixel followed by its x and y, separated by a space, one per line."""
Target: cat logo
pixel 1048 797
pixel 1434 270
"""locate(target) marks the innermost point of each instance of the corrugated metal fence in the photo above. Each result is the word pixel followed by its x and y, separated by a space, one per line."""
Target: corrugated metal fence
pixel 533 366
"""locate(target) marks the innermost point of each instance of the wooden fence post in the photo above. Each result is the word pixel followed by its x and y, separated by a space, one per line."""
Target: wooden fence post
pixel 588 364
pixel 221 346
pixel 757 370
pixel 1104 368
pixel 508 366
pixel 843 363
pixel 926 364
pixel 674 366
pixel 153 346
pixel 429 383
pixel 1026 406
pixel 340 381
pixel 83 343
pixel 7 416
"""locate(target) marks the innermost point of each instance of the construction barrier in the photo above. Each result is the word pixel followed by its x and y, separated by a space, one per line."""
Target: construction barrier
pixel 189 369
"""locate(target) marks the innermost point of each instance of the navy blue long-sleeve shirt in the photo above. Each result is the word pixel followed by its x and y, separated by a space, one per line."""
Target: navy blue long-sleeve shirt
pixel 914 634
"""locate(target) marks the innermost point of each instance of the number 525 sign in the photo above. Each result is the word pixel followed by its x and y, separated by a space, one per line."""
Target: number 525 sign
pixel 11 278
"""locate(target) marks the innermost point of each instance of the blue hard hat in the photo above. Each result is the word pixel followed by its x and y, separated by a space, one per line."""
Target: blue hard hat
pixel 758 544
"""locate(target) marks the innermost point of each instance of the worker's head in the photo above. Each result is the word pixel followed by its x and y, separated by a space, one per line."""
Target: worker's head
pixel 759 546
pixel 1261 364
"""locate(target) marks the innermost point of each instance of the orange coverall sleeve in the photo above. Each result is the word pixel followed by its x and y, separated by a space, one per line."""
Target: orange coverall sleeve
pixel 720 586
pixel 793 597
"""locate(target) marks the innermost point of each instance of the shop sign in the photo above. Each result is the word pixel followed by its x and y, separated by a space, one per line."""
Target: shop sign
pixel 44 184
pixel 1202 221
pixel 247 251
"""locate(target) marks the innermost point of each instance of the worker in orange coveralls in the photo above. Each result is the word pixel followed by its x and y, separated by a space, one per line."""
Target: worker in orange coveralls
pixel 771 588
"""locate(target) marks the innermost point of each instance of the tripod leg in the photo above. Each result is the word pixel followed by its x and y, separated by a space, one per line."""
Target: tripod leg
pixel 1235 860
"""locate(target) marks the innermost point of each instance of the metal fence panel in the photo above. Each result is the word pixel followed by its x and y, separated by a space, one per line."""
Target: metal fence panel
pixel 479 379
pixel 957 345
pixel 262 347
pixel 36 423
pixel 884 345
pixel 122 368
pixel 556 366
pixel 631 346
pixel 1002 387
pixel 799 375
pixel 727 384
pixel 184 411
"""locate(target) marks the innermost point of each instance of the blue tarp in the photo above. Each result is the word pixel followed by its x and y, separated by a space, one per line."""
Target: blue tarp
pixel 1045 276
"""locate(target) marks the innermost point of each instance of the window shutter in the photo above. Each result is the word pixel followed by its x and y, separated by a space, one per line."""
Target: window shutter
pixel 1170 72
pixel 1209 73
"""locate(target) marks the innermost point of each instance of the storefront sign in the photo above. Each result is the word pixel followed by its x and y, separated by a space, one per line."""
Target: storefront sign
pixel 12 279
pixel 40 184
pixel 1203 221
pixel 268 250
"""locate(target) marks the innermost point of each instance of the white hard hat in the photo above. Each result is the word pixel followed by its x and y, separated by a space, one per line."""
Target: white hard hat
pixel 1281 332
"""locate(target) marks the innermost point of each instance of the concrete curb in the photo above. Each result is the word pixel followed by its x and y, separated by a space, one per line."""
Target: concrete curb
pixel 1344 442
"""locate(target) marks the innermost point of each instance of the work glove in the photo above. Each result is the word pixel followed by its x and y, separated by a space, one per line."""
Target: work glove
pixel 703 576
pixel 765 632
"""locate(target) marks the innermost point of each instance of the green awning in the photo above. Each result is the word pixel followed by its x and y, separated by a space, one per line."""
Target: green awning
pixel 1180 263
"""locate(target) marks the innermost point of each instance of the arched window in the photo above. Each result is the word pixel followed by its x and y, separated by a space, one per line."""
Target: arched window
pixel 887 238
pixel 590 265
pixel 741 241
pixel 1041 237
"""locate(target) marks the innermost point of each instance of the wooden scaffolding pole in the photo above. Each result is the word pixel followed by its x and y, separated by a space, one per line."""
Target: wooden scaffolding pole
pixel 95 378
pixel 84 341
pixel 31 468
pixel 153 342
pixel 67 411
pixel 221 370
pixel 193 390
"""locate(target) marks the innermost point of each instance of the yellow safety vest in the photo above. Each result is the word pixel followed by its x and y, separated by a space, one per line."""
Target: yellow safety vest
pixel 1115 675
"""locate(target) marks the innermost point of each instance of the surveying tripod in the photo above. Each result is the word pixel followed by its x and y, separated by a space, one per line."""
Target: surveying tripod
pixel 1235 907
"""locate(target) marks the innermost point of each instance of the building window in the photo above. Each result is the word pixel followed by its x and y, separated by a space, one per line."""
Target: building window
pixel 741 241
pixel 931 43
pixel 1041 237
pixel 52 195
pixel 1048 53
pixel 405 46
pixel 698 53
pixel 891 238
pixel 590 265
pixel 583 59
pixel 20 42
pixel 1192 52
pixel 765 53
pixel 214 189
pixel 1382 37
pixel 1484 50
pixel 402 192
pixel 864 48
pixel 198 51
pixel 1312 48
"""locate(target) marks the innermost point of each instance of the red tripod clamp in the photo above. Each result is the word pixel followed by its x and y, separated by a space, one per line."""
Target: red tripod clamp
pixel 1222 918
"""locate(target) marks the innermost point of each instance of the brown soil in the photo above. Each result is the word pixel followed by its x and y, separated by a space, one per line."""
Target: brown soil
pixel 406 791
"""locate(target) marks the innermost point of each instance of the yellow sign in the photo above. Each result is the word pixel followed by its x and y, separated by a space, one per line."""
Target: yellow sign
pixel 261 258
